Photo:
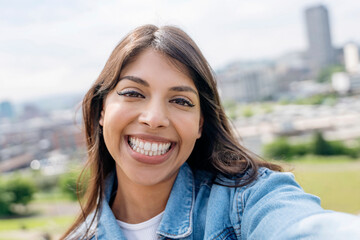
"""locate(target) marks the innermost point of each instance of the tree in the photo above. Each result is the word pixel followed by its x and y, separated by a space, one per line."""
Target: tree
pixel 15 191
pixel 278 149
pixel 321 146
pixel 5 201
pixel 22 189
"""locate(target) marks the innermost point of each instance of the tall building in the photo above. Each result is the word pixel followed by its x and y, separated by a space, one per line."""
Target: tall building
pixel 320 49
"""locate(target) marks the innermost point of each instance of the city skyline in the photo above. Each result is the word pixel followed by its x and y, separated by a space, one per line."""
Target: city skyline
pixel 61 47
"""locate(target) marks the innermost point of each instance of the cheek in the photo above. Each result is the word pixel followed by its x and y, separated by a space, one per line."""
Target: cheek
pixel 188 129
pixel 116 118
pixel 117 114
pixel 112 118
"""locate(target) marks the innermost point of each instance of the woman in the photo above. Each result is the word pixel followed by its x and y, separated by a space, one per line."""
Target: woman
pixel 165 164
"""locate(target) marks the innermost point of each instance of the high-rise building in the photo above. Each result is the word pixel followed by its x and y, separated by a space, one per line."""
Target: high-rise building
pixel 320 49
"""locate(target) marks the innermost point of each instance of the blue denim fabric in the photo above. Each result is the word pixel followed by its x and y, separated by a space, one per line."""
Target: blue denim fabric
pixel 272 207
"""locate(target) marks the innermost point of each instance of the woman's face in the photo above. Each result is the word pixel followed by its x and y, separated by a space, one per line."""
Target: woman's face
pixel 151 120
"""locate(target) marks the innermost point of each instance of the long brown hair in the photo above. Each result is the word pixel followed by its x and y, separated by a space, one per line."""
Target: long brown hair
pixel 217 151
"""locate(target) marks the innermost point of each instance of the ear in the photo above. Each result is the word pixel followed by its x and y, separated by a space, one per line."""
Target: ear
pixel 101 120
pixel 201 123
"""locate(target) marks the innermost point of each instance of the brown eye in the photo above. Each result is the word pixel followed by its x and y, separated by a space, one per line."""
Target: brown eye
pixel 183 102
pixel 132 93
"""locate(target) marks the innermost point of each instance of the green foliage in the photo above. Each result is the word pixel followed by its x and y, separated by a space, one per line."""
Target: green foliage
pixel 46 183
pixel 321 146
pixel 328 99
pixel 300 149
pixel 248 112
pixel 22 188
pixel 68 184
pixel 281 148
pixel 326 73
pixel 278 149
pixel 16 190
pixel 340 149
pixel 330 148
pixel 5 200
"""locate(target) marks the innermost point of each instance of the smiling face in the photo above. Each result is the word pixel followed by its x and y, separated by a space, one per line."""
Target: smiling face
pixel 151 120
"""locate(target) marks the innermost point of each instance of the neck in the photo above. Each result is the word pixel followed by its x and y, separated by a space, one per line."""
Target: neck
pixel 136 203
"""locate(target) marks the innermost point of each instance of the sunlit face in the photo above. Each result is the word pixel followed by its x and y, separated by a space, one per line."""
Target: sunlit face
pixel 151 120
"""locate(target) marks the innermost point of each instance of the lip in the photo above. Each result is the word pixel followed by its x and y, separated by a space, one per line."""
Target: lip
pixel 151 160
pixel 149 138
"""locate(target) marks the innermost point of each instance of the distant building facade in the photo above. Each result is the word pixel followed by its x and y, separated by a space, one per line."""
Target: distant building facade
pixel 320 49
pixel 351 58
pixel 244 82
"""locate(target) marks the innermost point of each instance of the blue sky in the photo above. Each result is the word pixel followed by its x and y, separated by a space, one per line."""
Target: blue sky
pixel 50 47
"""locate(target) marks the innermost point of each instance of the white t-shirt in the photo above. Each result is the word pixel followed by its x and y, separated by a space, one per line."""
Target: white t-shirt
pixel 141 231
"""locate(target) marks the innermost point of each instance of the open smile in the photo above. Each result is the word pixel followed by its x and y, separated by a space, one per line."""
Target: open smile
pixel 148 148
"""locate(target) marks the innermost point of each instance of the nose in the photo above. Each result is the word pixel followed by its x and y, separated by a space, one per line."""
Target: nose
pixel 154 115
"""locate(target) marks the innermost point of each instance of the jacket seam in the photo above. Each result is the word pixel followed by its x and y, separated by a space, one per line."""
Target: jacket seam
pixel 224 231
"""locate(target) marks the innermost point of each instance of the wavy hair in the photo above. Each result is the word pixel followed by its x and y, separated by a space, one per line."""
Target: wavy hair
pixel 217 150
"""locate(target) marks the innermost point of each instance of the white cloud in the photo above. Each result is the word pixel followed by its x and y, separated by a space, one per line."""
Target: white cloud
pixel 69 41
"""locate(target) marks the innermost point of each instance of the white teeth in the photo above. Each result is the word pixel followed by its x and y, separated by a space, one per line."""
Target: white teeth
pixel 154 147
pixel 148 148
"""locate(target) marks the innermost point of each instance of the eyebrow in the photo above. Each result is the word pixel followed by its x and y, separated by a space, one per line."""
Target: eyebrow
pixel 183 89
pixel 146 84
pixel 136 79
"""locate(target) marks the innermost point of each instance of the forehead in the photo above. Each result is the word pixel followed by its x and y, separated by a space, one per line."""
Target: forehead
pixel 151 63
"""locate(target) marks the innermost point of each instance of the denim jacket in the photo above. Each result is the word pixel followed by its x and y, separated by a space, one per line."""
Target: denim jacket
pixel 272 207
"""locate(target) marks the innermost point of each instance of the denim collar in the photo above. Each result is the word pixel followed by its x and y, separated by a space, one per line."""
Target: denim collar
pixel 177 221
pixel 108 227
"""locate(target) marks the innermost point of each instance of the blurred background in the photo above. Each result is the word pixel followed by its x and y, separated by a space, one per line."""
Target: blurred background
pixel 288 74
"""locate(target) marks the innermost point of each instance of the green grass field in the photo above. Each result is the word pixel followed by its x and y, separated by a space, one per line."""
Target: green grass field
pixel 36 223
pixel 335 180
pixel 52 212
pixel 34 227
